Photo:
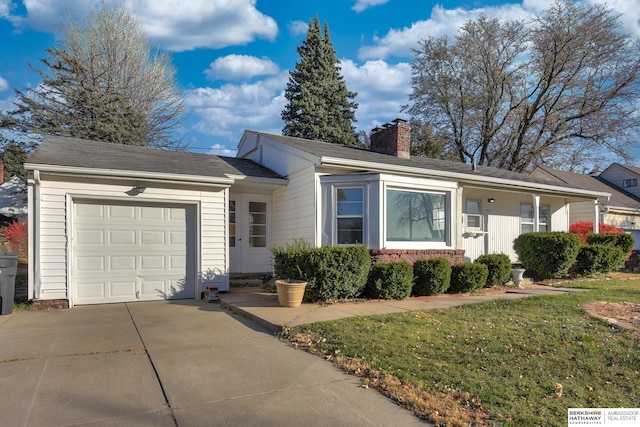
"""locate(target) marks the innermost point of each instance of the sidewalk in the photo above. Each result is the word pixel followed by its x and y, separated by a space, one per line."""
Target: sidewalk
pixel 262 307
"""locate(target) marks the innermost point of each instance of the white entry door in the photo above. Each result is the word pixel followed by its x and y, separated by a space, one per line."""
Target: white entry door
pixel 249 233
pixel 129 252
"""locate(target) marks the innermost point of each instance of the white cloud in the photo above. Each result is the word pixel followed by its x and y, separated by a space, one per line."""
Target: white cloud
pixel 366 4
pixel 443 22
pixel 174 25
pixel 228 110
pixel 203 23
pixel 297 28
pixel 240 67
pixel 4 85
pixel 629 11
pixel 382 89
pixel 221 150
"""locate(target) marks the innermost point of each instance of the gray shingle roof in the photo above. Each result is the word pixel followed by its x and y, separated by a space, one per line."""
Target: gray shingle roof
pixel 73 152
pixel 619 198
pixel 433 166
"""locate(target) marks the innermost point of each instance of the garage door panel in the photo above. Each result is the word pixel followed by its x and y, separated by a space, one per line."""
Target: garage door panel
pixel 95 237
pixel 148 213
pixel 122 237
pixel 129 253
pixel 122 263
pixel 152 238
pixel 88 211
pixel 122 289
pixel 121 212
pixel 90 264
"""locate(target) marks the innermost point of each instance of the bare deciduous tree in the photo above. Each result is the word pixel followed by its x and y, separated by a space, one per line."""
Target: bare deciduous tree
pixel 556 91
pixel 103 82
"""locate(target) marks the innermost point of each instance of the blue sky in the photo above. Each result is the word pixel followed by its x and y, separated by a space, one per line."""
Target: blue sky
pixel 233 56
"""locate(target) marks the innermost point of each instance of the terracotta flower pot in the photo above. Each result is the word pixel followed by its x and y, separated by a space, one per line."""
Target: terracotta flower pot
pixel 290 292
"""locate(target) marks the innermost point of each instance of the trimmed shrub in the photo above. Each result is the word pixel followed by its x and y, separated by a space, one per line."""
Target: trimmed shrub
pixel 548 254
pixel 332 273
pixel 431 276
pixel 499 266
pixel 598 259
pixel 624 241
pixel 468 277
pixel 390 280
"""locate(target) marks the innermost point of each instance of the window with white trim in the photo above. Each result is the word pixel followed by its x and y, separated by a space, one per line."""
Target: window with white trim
pixel 349 205
pixel 474 215
pixel 527 218
pixel 415 216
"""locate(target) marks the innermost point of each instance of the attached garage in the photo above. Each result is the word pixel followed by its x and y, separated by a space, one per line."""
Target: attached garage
pixel 112 223
pixel 125 252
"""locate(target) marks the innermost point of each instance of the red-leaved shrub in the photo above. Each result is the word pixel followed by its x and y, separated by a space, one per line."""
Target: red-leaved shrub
pixel 585 228
pixel 17 234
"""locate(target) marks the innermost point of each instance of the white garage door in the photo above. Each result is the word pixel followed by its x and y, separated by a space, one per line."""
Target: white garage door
pixel 125 252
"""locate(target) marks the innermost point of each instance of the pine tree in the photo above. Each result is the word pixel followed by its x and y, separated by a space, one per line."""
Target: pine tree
pixel 103 81
pixel 14 157
pixel 320 105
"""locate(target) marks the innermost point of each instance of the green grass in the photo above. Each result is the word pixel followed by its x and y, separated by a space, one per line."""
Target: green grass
pixel 519 362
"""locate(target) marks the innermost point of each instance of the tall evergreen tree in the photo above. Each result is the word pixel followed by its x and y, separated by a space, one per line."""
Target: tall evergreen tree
pixel 320 105
pixel 14 157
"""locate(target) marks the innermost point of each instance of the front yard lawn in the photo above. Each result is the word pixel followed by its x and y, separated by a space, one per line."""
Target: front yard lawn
pixel 507 362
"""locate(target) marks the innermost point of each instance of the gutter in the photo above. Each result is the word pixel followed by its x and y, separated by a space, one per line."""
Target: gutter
pixel 501 182
pixel 142 175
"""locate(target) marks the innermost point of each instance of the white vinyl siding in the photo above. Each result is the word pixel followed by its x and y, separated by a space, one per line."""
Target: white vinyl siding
pixel 294 209
pixel 56 196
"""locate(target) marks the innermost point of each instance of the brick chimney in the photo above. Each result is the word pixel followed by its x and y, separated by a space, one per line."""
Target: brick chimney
pixel 1 171
pixel 393 138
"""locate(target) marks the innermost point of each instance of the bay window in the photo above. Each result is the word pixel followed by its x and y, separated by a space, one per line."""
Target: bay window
pixel 349 215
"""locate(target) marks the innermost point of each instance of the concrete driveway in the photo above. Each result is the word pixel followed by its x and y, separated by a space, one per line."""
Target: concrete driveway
pixel 183 363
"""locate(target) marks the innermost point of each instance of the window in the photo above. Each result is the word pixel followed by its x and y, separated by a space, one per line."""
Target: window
pixel 257 224
pixel 414 216
pixel 232 223
pixel 527 218
pixel 630 183
pixel 474 214
pixel 350 215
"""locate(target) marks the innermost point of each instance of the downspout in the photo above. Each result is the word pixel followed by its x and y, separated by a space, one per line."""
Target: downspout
pixel 35 285
pixel 596 213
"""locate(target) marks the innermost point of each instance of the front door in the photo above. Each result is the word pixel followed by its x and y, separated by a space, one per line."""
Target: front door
pixel 249 233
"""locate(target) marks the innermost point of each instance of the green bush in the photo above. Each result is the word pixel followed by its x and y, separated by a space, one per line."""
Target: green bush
pixel 598 259
pixel 390 280
pixel 332 273
pixel 624 241
pixel 431 276
pixel 468 277
pixel 499 266
pixel 548 254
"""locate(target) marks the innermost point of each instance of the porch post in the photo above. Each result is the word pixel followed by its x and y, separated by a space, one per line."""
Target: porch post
pixel 536 212
pixel 596 216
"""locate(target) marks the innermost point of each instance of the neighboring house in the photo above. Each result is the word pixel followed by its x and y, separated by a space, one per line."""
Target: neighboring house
pixel 13 201
pixel 621 209
pixel 117 223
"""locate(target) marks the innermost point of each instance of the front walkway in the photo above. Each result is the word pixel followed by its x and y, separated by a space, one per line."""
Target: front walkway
pixel 263 308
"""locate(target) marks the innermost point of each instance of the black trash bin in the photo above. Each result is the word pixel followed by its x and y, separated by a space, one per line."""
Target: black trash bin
pixel 8 271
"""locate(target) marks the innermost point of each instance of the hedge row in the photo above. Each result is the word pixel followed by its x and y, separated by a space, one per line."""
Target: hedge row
pixel 335 273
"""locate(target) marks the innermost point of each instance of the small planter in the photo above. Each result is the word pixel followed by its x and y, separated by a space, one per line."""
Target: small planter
pixel 516 276
pixel 290 292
